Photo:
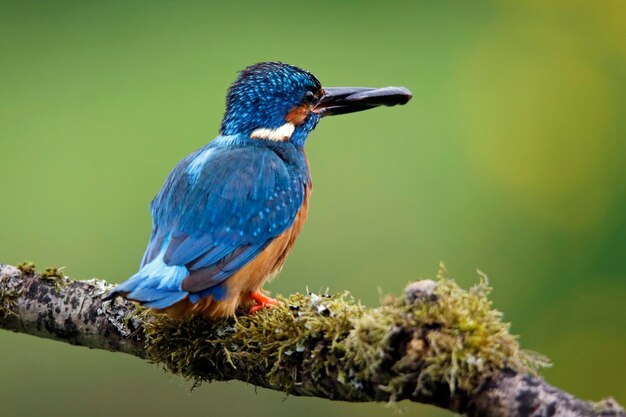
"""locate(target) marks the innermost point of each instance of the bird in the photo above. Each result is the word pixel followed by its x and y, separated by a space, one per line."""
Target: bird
pixel 229 213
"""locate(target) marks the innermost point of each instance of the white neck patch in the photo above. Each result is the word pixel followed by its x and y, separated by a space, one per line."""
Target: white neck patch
pixel 280 134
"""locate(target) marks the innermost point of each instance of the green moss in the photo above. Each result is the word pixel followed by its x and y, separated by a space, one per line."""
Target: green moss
pixel 452 337
pixel 55 276
pixel 8 297
pixel 27 268
pixel 52 274
pixel 466 338
pixel 268 344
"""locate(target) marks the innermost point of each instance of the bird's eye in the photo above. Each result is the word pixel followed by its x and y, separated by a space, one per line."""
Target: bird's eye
pixel 310 97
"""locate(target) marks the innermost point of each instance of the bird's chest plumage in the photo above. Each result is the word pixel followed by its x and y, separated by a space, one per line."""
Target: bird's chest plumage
pixel 270 261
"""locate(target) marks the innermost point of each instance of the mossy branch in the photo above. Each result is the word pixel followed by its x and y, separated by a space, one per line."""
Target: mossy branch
pixel 437 344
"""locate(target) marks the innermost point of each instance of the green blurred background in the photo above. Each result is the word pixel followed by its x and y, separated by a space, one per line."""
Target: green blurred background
pixel 510 158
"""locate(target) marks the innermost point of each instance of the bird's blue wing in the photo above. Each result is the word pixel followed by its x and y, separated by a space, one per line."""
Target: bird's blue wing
pixel 219 208
pixel 236 198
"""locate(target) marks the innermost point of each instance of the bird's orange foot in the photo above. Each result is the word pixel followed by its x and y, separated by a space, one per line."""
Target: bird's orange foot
pixel 262 301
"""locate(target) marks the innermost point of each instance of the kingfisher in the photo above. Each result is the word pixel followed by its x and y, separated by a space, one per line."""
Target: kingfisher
pixel 229 213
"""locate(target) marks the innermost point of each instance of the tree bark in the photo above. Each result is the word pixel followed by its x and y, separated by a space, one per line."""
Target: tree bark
pixel 437 344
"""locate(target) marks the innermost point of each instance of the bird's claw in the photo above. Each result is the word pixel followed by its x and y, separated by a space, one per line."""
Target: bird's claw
pixel 262 301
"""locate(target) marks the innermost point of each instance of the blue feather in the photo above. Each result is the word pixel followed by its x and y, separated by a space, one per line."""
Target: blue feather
pixel 156 283
pixel 166 301
pixel 212 256
pixel 218 292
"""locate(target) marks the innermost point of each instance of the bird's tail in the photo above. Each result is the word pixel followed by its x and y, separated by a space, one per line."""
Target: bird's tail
pixel 156 285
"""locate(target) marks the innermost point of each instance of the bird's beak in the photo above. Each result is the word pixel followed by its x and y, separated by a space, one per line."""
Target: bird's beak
pixel 341 100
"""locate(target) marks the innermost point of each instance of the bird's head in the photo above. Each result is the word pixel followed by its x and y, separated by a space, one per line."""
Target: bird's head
pixel 281 102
